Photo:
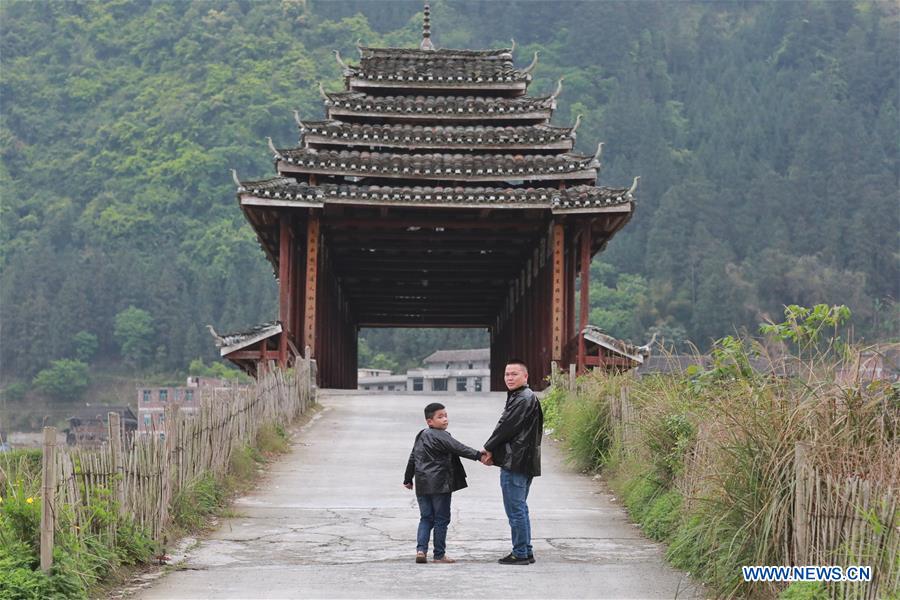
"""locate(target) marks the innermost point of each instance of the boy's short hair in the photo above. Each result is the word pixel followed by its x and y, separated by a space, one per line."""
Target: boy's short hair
pixel 518 361
pixel 433 408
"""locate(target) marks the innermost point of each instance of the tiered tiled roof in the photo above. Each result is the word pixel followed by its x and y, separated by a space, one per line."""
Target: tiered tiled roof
pixel 395 67
pixel 436 136
pixel 439 166
pixel 573 198
pixel 441 107
pixel 419 143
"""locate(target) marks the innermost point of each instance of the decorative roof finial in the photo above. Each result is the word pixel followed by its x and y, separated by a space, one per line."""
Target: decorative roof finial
pixel 634 186
pixel 273 148
pixel 599 151
pixel 512 48
pixel 555 94
pixel 574 127
pixel 297 119
pixel 337 55
pixel 533 64
pixel 426 30
pixel 237 181
pixel 322 91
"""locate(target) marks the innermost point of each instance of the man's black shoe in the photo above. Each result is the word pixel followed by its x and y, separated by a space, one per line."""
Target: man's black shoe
pixel 512 559
pixel 531 559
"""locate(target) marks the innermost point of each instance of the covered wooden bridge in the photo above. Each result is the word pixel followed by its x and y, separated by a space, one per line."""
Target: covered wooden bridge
pixel 435 193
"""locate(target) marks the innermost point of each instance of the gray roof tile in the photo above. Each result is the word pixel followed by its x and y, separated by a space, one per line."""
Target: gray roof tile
pixel 581 196
pixel 450 166
pixel 462 136
pixel 439 106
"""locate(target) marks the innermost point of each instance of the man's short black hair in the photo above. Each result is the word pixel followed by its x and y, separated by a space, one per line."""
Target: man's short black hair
pixel 517 361
pixel 433 408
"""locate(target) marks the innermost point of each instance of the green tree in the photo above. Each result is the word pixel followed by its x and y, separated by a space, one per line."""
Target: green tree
pixel 85 346
pixel 63 380
pixel 134 334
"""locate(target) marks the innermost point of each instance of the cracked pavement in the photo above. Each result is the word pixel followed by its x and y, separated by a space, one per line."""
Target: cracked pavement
pixel 332 520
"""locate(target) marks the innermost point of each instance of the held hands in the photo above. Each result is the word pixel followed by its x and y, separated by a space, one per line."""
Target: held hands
pixel 487 459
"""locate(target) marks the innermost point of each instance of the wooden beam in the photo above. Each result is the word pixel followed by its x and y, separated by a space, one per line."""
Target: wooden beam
pixel 461 241
pixel 397 323
pixel 437 221
pixel 468 304
pixel 244 355
pixel 558 303
pixel 419 281
pixel 312 266
pixel 449 296
pixel 350 266
pixel 426 260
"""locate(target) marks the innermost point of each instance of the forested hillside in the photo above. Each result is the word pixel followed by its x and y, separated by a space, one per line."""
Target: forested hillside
pixel 766 136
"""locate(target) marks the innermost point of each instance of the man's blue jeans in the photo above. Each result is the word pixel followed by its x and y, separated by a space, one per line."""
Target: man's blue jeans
pixel 434 513
pixel 515 487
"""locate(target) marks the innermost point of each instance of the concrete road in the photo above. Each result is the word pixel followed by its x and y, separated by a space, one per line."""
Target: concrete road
pixel 332 520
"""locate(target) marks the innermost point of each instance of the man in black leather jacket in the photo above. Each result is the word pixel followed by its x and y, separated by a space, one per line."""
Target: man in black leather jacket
pixel 438 472
pixel 515 446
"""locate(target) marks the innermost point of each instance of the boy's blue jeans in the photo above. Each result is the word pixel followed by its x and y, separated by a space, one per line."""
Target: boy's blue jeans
pixel 434 513
pixel 515 487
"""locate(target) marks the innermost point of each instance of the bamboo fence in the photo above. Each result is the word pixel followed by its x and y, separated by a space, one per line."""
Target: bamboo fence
pixel 845 521
pixel 145 473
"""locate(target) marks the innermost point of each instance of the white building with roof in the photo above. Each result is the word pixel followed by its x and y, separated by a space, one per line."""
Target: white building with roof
pixel 451 371
pixel 454 371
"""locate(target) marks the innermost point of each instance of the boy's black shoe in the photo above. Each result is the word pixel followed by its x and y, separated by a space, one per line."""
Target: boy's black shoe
pixel 512 559
pixel 531 559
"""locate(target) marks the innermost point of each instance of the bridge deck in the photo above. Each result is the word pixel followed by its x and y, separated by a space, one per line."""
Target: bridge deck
pixel 333 521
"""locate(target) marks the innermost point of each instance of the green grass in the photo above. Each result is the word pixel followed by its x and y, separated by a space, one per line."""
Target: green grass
pixel 80 560
pixel 86 560
pixel 707 465
pixel 194 505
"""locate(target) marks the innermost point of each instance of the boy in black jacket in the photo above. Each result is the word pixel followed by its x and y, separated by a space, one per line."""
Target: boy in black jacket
pixel 434 462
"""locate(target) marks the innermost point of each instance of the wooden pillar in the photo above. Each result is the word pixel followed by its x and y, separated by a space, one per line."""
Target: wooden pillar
pixel 298 307
pixel 312 271
pixel 585 306
pixel 263 358
pixel 571 272
pixel 284 286
pixel 557 314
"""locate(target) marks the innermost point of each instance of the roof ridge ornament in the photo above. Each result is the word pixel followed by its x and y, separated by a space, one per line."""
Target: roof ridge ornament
pixel 359 47
pixel 512 48
pixel 322 92
pixel 599 152
pixel 297 119
pixel 237 181
pixel 426 44
pixel 527 70
pixel 337 56
pixel 634 186
pixel 574 127
pixel 555 94
pixel 273 148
